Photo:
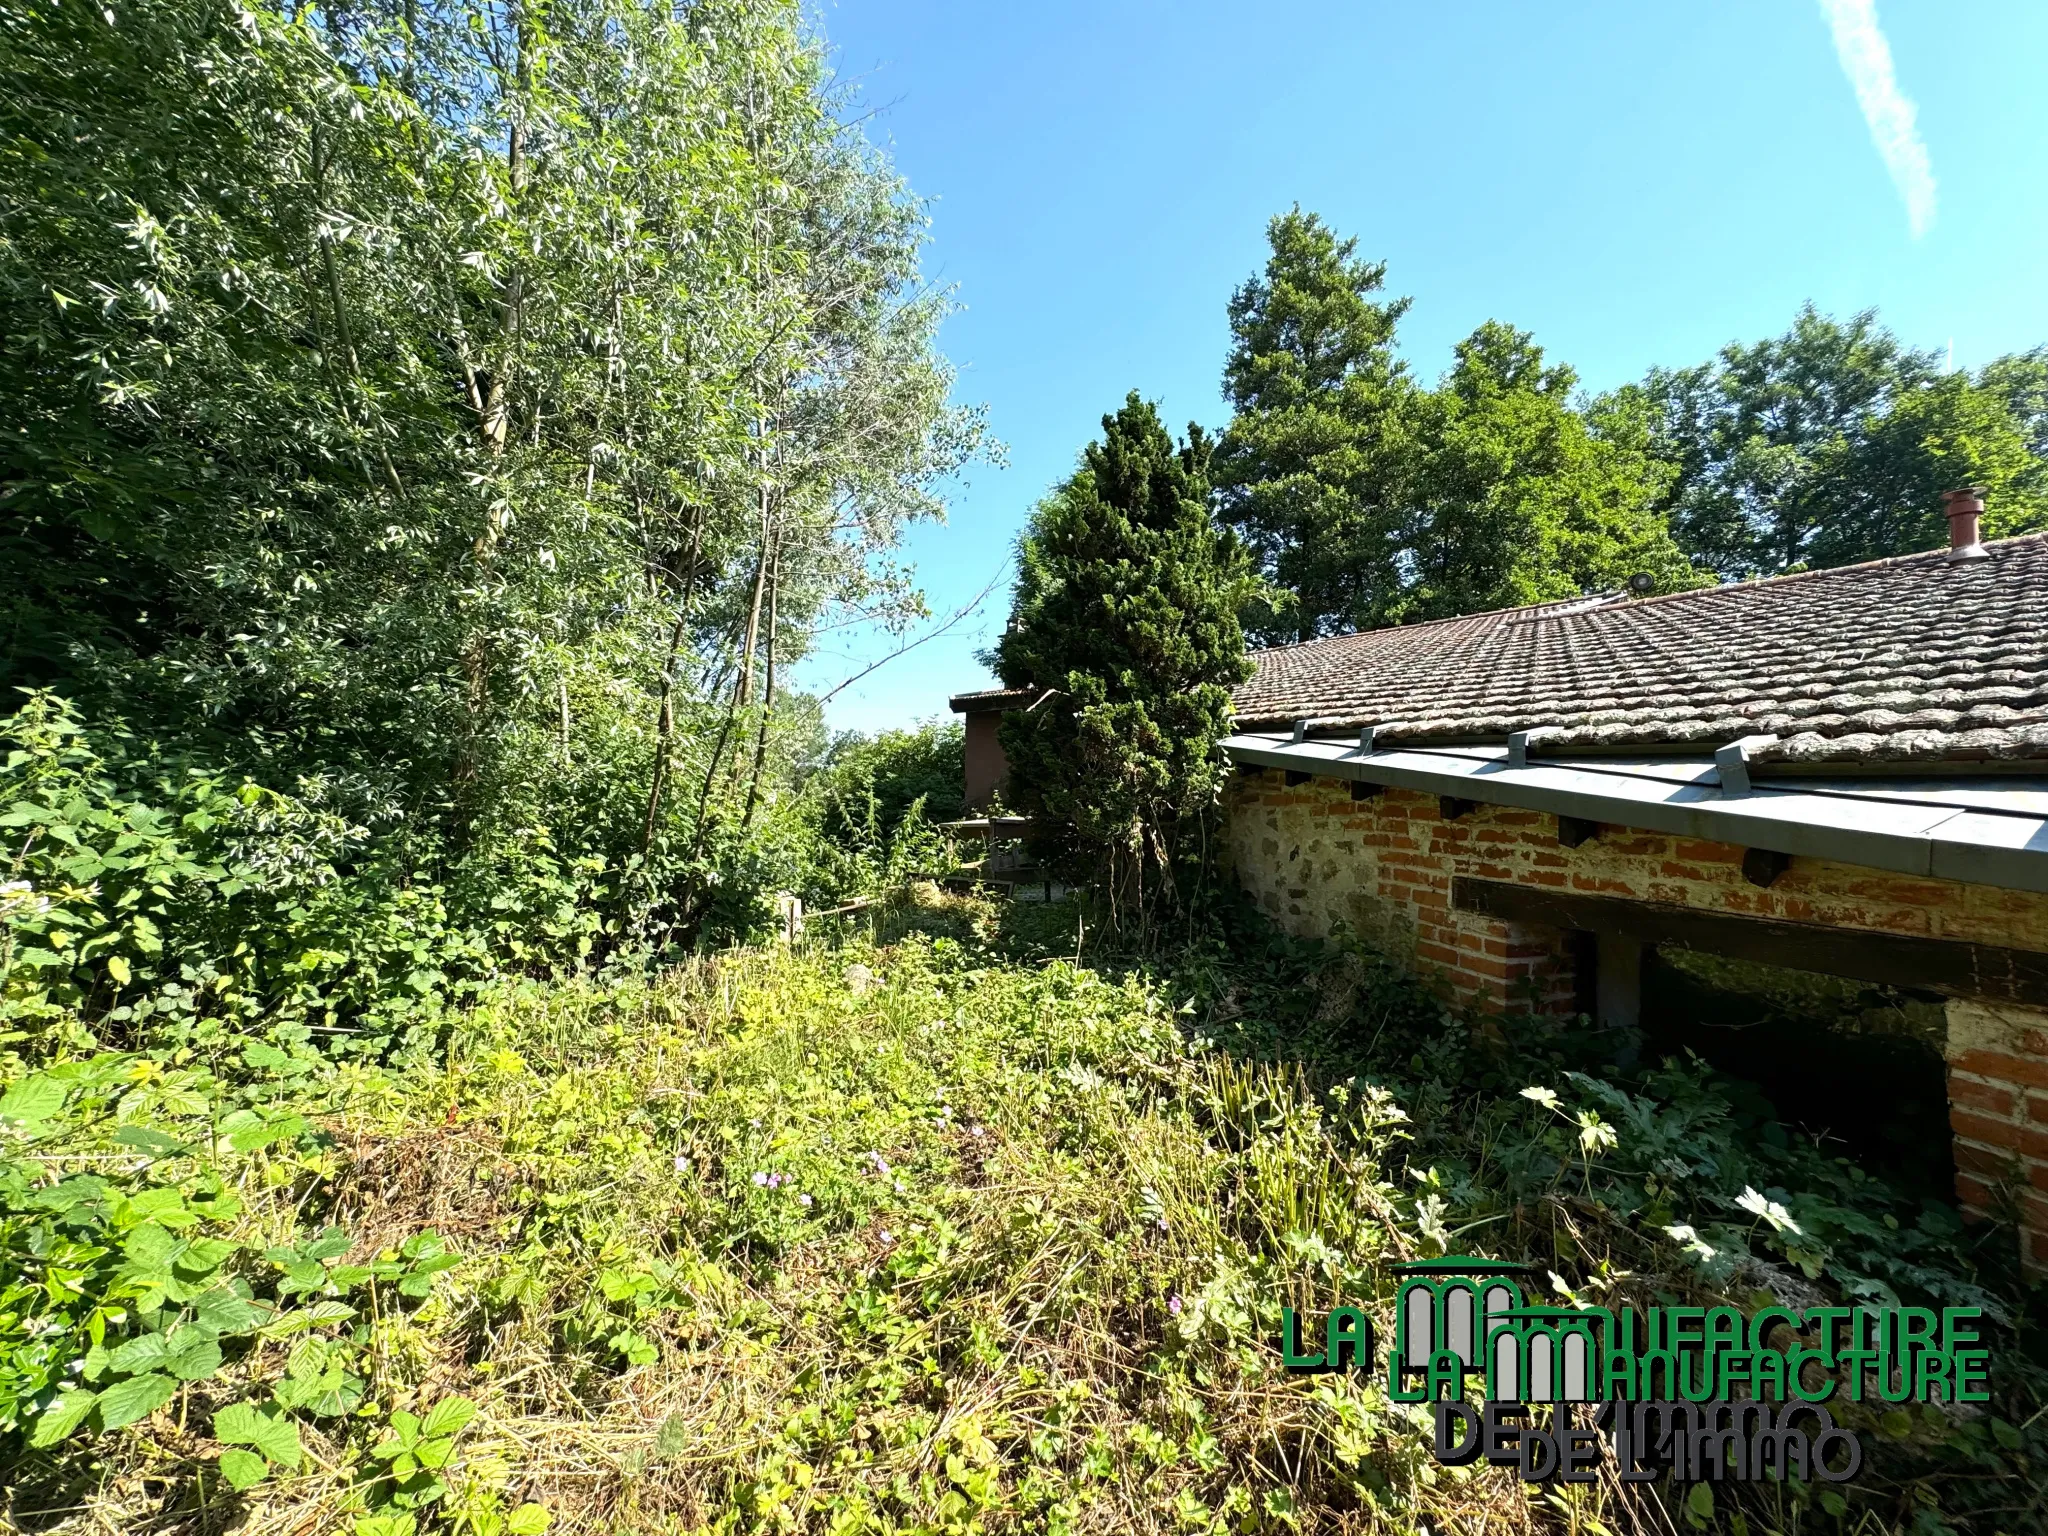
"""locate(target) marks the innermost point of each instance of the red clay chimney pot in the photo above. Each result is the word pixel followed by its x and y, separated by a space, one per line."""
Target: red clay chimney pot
pixel 1964 507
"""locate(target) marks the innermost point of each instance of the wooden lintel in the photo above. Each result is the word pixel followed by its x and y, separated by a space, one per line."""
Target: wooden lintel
pixel 1949 966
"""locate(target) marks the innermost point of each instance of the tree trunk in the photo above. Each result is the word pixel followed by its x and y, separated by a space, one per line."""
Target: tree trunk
pixel 767 694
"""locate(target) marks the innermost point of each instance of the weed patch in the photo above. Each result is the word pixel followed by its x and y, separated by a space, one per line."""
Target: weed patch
pixel 946 1234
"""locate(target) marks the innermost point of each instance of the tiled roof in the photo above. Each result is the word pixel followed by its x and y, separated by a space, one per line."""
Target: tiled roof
pixel 1913 659
pixel 990 698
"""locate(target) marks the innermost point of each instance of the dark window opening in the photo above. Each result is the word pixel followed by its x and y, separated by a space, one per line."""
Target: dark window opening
pixel 1855 1064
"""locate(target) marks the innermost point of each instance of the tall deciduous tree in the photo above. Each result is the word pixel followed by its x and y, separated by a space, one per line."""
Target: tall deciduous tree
pixel 1370 500
pixel 1516 499
pixel 1126 620
pixel 1833 443
pixel 471 405
pixel 1312 467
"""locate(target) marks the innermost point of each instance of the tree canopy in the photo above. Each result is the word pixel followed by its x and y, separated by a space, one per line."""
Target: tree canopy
pixel 467 409
pixel 1834 442
pixel 1369 499
pixel 1311 469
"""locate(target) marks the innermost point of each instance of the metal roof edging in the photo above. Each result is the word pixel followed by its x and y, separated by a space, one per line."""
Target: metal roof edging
pixel 1936 840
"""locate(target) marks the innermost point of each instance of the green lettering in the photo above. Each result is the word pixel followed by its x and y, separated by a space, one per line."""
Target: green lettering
pixel 1290 1344
pixel 1348 1328
pixel 1973 1375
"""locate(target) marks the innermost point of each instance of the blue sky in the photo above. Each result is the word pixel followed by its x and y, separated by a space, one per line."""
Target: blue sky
pixel 1637 183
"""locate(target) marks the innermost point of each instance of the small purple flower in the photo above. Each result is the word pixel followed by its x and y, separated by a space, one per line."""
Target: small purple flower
pixel 899 1186
pixel 804 1200
pixel 1162 1224
pixel 976 1132
pixel 1173 1305
pixel 886 1236
pixel 881 1163
pixel 682 1164
pixel 761 1179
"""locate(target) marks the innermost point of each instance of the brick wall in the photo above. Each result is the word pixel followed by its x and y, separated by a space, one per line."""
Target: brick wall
pixel 1314 858
pixel 1998 1107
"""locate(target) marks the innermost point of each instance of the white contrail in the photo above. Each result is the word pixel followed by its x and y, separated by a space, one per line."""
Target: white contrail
pixel 1867 61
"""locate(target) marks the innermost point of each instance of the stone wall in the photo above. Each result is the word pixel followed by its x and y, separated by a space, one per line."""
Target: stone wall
pixel 1314 858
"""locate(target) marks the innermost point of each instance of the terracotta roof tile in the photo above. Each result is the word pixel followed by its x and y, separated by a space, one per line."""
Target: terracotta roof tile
pixel 1901 660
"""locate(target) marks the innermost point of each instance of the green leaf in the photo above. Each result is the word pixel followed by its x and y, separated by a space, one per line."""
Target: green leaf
pixel 32 1100
pixel 203 1255
pixel 405 1434
pixel 386 1525
pixel 634 1349
pixel 117 967
pixel 447 1417
pixel 422 1245
pixel 304 1275
pixel 224 1312
pixel 527 1520
pixel 434 1454
pixel 327 1396
pixel 1700 1501
pixel 308 1358
pixel 148 1139
pixel 276 1436
pixel 63 1416
pixel 136 1398
pixel 194 1356
pixel 139 1354
pixel 331 1244
pixel 244 1469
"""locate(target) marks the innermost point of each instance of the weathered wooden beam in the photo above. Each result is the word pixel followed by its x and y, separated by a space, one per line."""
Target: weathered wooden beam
pixel 1949 966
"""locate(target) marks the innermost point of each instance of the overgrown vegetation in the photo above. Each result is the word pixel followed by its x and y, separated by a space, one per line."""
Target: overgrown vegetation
pixel 457 419
pixel 429 436
pixel 948 1233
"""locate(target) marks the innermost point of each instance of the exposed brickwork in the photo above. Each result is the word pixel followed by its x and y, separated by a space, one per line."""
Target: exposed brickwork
pixel 1383 867
pixel 1998 1108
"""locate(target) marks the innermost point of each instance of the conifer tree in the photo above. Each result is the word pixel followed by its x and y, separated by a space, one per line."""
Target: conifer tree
pixel 1310 468
pixel 1126 620
pixel 1369 499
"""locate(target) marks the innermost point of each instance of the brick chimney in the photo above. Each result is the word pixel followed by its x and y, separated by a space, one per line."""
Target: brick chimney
pixel 1964 507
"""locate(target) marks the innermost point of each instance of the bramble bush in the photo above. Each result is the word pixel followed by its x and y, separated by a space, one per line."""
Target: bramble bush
pixel 150 902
